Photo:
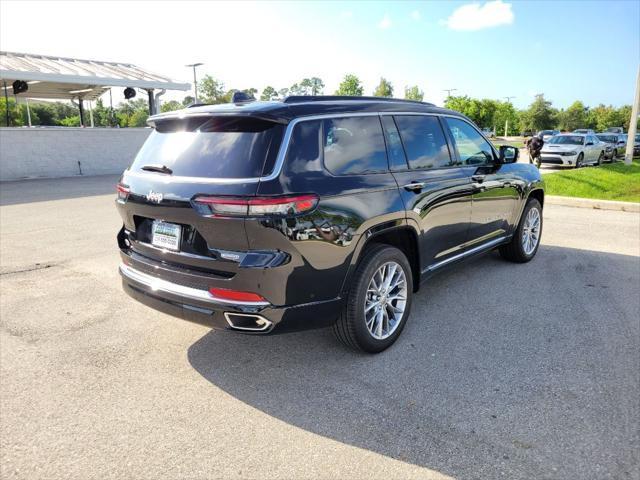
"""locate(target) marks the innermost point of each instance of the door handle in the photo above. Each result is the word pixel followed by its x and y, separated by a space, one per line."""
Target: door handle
pixel 477 178
pixel 414 186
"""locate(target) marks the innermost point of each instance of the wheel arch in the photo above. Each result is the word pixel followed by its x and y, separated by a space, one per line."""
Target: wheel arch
pixel 404 237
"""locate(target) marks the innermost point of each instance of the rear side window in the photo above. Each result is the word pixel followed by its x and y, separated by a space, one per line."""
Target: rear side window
pixel 424 141
pixel 397 159
pixel 472 147
pixel 212 147
pixel 354 145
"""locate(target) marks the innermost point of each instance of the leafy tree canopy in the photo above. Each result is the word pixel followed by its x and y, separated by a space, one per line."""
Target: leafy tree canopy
pixel 384 88
pixel 413 93
pixel 350 86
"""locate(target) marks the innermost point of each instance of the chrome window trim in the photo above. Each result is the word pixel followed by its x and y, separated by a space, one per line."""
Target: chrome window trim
pixel 284 148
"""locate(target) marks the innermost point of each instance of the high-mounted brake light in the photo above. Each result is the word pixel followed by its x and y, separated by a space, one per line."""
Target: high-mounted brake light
pixel 122 191
pixel 235 295
pixel 258 206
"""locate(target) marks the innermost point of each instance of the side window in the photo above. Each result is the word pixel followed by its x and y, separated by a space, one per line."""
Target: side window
pixel 472 148
pixel 303 154
pixel 354 145
pixel 424 141
pixel 397 158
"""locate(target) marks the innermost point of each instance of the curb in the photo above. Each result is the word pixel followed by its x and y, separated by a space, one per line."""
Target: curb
pixel 594 204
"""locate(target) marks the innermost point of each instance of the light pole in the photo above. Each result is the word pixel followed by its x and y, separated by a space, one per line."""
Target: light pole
pixel 506 122
pixel 195 81
pixel 449 90
pixel 628 154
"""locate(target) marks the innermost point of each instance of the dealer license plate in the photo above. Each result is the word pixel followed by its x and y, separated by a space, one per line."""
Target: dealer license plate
pixel 166 235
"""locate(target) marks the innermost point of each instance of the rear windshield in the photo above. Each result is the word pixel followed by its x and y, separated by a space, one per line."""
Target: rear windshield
pixel 567 140
pixel 608 138
pixel 212 147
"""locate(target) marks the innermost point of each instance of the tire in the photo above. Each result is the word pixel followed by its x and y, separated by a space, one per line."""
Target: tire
pixel 579 160
pixel 600 158
pixel 614 155
pixel 357 329
pixel 517 250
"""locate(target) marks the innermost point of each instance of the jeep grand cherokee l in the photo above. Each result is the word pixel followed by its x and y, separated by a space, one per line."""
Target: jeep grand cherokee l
pixel 267 217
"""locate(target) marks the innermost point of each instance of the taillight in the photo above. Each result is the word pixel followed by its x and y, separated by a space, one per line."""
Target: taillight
pixel 236 295
pixel 123 192
pixel 255 207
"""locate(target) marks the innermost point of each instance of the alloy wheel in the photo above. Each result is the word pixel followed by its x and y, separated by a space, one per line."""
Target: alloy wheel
pixel 385 300
pixel 531 231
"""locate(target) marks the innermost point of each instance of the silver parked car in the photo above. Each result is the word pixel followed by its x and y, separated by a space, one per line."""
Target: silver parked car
pixel 585 131
pixel 573 149
pixel 547 134
pixel 615 146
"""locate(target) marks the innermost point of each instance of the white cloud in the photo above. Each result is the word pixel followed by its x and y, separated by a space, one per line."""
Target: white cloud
pixel 385 22
pixel 476 16
pixel 416 15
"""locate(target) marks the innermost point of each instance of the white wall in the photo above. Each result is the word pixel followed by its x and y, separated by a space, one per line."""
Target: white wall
pixel 55 152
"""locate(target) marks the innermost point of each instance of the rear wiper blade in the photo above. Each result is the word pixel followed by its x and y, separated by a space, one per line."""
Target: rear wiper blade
pixel 157 168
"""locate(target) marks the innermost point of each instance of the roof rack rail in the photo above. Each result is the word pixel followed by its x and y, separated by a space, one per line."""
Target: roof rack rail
pixel 198 105
pixel 333 98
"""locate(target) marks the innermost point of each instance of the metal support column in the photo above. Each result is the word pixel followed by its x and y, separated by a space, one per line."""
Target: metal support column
pixel 81 108
pixel 152 106
pixel 6 101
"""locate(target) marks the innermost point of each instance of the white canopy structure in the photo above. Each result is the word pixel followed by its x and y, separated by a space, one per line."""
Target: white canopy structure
pixel 76 79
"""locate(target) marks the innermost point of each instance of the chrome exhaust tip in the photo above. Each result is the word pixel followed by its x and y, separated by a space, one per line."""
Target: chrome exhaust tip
pixel 247 322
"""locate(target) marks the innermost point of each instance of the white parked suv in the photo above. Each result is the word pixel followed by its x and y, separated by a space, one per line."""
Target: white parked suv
pixel 573 149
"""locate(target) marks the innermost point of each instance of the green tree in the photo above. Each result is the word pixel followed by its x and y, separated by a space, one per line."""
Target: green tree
pixel 413 93
pixel 251 91
pixel 102 115
pixel 211 90
pixel 42 114
pixel 539 116
pixel 471 107
pixel 269 93
pixel 317 85
pixel 506 114
pixel 350 86
pixel 35 118
pixel 171 106
pixel 384 88
pixel 283 92
pixel 126 113
pixel 624 117
pixel 188 100
pixel 138 118
pixel 15 117
pixel 576 116
pixel 296 89
pixel 73 121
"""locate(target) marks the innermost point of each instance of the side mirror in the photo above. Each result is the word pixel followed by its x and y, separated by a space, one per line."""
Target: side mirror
pixel 508 154
pixel 589 143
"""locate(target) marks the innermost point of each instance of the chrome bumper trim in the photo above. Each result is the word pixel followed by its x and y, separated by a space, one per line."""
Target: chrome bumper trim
pixel 160 285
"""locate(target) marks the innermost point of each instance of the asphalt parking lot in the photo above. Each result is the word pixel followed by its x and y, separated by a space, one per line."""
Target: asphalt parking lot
pixel 503 371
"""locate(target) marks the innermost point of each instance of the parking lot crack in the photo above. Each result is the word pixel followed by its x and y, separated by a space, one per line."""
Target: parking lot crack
pixel 36 267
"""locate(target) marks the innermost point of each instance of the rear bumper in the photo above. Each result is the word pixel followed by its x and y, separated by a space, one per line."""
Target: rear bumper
pixel 197 305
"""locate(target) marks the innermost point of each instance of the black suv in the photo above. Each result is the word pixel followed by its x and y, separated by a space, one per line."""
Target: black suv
pixel 267 217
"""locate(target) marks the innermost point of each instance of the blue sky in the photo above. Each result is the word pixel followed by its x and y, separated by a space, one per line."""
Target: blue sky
pixel 567 50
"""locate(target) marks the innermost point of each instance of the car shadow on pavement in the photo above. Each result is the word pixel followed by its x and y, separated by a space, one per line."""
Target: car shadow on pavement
pixel 46 189
pixel 503 369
